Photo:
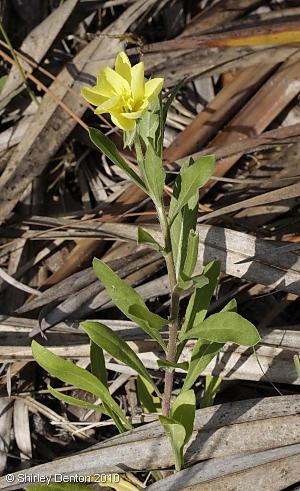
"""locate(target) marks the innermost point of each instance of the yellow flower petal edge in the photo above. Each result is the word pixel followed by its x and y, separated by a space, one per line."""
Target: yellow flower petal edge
pixel 122 122
pixel 123 66
pixel 124 92
pixel 153 88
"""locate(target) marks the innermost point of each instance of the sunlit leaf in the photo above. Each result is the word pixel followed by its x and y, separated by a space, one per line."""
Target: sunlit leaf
pixel 71 374
pixel 154 174
pixel 225 327
pixel 104 337
pixel 200 299
pixel 183 410
pixel 192 178
pixel 202 354
pixel 182 224
pixel 145 238
pixel 176 433
pixel 129 301
pixel 110 150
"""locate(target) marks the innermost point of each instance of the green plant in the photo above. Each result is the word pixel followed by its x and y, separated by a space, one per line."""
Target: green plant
pixel 136 108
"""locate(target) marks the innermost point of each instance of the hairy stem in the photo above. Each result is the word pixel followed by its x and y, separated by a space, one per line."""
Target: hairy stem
pixel 174 310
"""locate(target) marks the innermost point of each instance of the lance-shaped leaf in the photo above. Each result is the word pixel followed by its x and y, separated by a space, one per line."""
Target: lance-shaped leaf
pixel 154 174
pixel 149 402
pixel 149 126
pixel 176 433
pixel 183 410
pixel 200 299
pixel 75 401
pixel 212 384
pixel 110 150
pixel 192 178
pixel 98 367
pixel 71 374
pixel 225 327
pixel 129 301
pixel 107 339
pixel 145 238
pixel 191 254
pixel 203 353
pixel 182 224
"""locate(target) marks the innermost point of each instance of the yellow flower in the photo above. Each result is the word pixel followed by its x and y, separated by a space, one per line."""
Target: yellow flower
pixel 123 92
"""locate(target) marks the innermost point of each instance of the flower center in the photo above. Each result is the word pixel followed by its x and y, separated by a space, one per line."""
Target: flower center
pixel 127 102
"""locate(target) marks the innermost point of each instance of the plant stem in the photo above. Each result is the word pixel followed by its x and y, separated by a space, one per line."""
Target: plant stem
pixel 174 310
pixel 18 65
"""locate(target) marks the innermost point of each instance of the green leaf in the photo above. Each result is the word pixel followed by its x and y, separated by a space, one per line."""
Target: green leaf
pixel 110 150
pixel 192 178
pixel 149 322
pixel 212 385
pixel 75 401
pixel 191 254
pixel 145 238
pixel 148 127
pixel 183 411
pixel 169 364
pixel 3 82
pixel 129 301
pixel 149 402
pixel 63 486
pixel 200 299
pixel 231 306
pixel 182 224
pixel 176 433
pixel 226 327
pixel 71 374
pixel 202 354
pixel 98 367
pixel 128 138
pixel 197 281
pixel 107 339
pixel 154 174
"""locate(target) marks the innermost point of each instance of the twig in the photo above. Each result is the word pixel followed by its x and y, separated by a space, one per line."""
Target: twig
pixel 17 284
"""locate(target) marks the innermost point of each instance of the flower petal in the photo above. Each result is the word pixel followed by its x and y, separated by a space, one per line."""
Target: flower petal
pixel 92 95
pixel 123 66
pixel 108 105
pixel 137 82
pixel 153 88
pixel 103 87
pixel 117 83
pixel 134 114
pixel 122 123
